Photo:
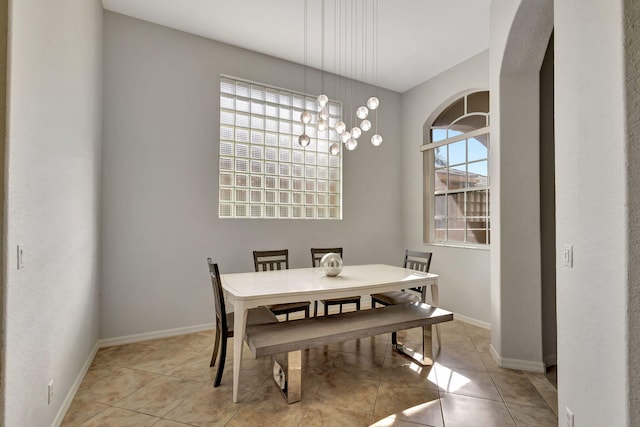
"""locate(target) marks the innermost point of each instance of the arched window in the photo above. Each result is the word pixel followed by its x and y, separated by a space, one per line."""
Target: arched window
pixel 457 173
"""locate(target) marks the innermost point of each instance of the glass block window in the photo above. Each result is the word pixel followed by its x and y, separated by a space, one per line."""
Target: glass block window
pixel 458 172
pixel 264 172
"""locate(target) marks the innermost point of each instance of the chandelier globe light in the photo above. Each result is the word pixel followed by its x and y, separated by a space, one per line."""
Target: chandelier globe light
pixel 344 136
pixel 306 117
pixel 304 140
pixel 322 100
pixel 362 112
pixel 355 33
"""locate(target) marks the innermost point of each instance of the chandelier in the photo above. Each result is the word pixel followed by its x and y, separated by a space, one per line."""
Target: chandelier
pixel 351 33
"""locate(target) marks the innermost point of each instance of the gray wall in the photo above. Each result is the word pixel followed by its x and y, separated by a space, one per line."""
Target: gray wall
pixel 4 39
pixel 160 179
pixel 591 159
pixel 52 197
pixel 632 92
pixel 464 273
pixel 519 38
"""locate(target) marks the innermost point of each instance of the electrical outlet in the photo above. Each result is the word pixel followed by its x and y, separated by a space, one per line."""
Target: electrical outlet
pixel 569 417
pixel 50 392
pixel 20 258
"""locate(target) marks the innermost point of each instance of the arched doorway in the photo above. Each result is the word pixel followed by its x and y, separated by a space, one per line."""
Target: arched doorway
pixel 517 51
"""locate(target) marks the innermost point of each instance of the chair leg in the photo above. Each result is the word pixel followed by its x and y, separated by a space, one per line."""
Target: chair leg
pixel 306 312
pixel 315 308
pixel 286 316
pixel 358 305
pixel 340 308
pixel 223 356
pixel 216 346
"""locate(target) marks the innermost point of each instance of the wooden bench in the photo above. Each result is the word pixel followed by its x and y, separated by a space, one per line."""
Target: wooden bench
pixel 285 341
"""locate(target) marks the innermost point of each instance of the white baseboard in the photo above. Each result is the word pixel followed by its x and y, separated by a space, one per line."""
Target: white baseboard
pixel 128 339
pixel 522 365
pixel 147 336
pixel 74 388
pixel 472 321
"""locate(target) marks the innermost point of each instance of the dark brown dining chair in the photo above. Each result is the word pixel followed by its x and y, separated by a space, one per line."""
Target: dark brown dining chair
pixel 420 261
pixel 316 256
pixel 224 321
pixel 278 260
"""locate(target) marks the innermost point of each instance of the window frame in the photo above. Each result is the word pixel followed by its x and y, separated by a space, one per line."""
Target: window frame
pixel 429 170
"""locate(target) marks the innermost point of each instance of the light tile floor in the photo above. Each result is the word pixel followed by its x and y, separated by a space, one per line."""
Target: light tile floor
pixel 168 382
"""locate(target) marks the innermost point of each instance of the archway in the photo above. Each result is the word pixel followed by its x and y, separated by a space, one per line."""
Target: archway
pixel 520 34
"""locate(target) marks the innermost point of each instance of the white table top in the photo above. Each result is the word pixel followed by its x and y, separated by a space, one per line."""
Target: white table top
pixel 308 282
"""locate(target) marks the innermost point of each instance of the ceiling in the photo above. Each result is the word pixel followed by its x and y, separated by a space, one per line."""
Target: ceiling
pixel 416 39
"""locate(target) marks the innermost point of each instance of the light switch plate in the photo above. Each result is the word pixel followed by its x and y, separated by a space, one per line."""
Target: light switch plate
pixel 20 258
pixel 568 416
pixel 567 256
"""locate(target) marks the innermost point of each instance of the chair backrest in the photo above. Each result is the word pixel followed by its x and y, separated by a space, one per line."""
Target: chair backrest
pixel 420 261
pixel 318 253
pixel 218 295
pixel 271 260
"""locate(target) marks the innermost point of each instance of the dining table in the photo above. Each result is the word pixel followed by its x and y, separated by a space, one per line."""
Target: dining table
pixel 249 290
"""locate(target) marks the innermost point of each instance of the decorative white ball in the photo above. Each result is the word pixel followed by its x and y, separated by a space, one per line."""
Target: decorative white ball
pixel 331 264
pixel 345 136
pixel 362 112
pixel 365 125
pixel 304 140
pixel 373 103
pixel 334 148
pixel 322 100
pixel 340 127
pixel 306 117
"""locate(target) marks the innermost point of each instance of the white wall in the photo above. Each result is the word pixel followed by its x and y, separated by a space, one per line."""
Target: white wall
pixel 160 180
pixel 53 157
pixel 519 37
pixel 464 273
pixel 632 74
pixel 591 183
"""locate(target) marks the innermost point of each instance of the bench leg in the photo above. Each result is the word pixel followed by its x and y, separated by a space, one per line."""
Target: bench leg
pixel 287 373
pixel 424 355
pixel 435 301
